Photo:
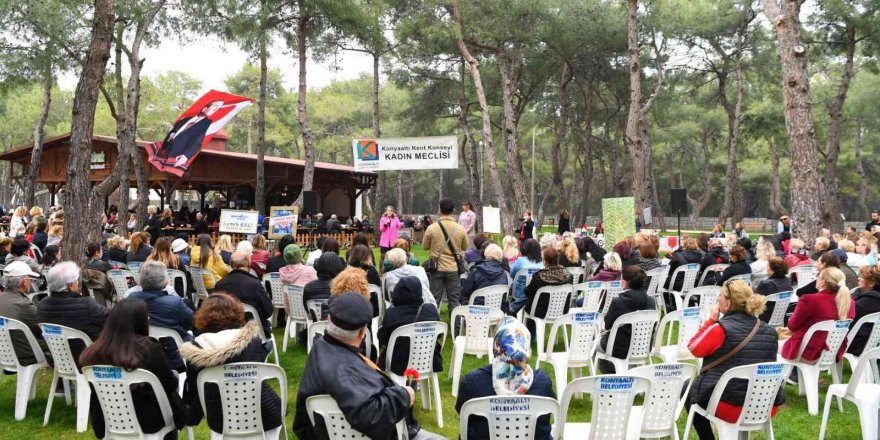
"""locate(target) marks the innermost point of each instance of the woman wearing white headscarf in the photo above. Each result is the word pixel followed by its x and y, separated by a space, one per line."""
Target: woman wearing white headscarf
pixel 509 374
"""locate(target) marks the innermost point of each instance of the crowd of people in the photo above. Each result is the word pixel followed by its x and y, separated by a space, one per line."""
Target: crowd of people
pixel 344 364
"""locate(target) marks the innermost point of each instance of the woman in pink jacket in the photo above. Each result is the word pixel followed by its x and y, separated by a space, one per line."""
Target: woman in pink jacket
pixel 388 226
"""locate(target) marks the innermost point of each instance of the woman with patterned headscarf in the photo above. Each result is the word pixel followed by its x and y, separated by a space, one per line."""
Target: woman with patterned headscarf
pixel 509 374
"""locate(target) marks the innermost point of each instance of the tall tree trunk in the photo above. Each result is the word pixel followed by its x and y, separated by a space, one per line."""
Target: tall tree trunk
pixel 804 169
pixel 638 159
pixel 734 201
pixel 831 200
pixel 80 223
pixel 39 131
pixel 469 150
pixel 378 195
pixel 561 131
pixel 775 184
pixel 260 195
pixel 860 169
pixel 124 155
pixel 508 70
pixel 699 203
pixel 302 34
pixel 508 219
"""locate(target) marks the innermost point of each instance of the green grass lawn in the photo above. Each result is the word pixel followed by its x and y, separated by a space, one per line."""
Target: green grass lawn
pixel 793 422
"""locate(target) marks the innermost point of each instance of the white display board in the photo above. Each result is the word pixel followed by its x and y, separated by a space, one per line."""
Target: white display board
pixel 491 220
pixel 234 221
pixel 421 153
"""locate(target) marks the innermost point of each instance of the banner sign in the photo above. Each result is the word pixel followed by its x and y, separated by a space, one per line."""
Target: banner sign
pixel 282 221
pixel 234 221
pixel 618 218
pixel 422 153
pixel 491 220
pixel 193 129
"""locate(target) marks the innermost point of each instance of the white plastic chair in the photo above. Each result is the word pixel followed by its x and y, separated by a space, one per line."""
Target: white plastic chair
pixel 689 272
pixel 657 276
pixel 492 296
pixel 746 278
pixel 670 384
pixel 377 321
pixel 423 338
pixel 241 386
pixel 57 337
pixel 578 274
pixel 522 278
pixel 712 268
pixel 119 280
pixel 315 328
pixel 781 301
pixel 337 427
pixel 509 417
pixel 173 276
pixel 314 307
pixel 135 268
pixel 249 309
pixel 872 342
pixel 557 302
pixel 298 315
pixel 866 396
pixel 689 321
pixel 477 336
pixel 275 288
pixel 642 325
pixel 117 264
pixel 113 391
pixel 198 277
pixel 808 371
pixel 806 274
pixel 612 399
pixel 592 294
pixel 764 381
pixel 26 383
pixel 161 333
pixel 578 353
pixel 707 299
pixel 613 289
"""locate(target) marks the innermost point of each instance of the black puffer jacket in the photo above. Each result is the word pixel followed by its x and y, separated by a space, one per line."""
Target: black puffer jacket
pixel 409 307
pixel 327 266
pixel 738 268
pixel 75 311
pixel 715 255
pixel 679 258
pixel 249 290
pixel 866 303
pixel 370 401
pixel 484 273
pixel 225 347
pixel 762 348
pixel 552 276
pixel 627 302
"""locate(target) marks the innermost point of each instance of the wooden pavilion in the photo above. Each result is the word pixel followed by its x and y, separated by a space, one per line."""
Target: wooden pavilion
pixel 215 169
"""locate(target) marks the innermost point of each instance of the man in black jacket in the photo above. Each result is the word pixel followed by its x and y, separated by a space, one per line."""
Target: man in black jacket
pixel 241 284
pixel 370 401
pixel 66 305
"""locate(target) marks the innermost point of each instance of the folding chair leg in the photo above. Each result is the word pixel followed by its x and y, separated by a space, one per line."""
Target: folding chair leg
pixel 83 400
pixel 688 424
pixel 561 371
pixel 286 334
pixel 455 370
pixel 868 420
pixel 52 386
pixel 539 333
pixel 438 408
pixel 25 386
pixel 425 393
pixel 809 379
pixel 274 319
pixel 275 352
pixel 65 385
pixel 189 433
pixel 825 415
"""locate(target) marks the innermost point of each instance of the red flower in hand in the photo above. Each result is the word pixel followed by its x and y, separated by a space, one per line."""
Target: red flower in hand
pixel 411 373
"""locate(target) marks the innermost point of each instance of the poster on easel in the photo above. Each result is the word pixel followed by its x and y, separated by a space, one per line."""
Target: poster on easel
pixel 234 221
pixel 618 219
pixel 282 221
pixel 491 220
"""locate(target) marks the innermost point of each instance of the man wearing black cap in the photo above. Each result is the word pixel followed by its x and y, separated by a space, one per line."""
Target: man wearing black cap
pixel 371 402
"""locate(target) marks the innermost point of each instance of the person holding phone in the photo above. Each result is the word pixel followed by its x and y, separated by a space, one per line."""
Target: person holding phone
pixel 389 224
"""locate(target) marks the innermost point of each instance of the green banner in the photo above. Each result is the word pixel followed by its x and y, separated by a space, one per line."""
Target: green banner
pixel 618 219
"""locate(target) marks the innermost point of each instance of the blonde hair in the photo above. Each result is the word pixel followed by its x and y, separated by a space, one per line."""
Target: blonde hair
pixel 795 244
pixel 847 245
pixel 510 247
pixel 259 242
pixel 689 243
pixel 56 231
pixel 36 211
pixel 742 298
pixel 224 244
pixel 612 261
pixel 352 279
pixel 835 280
pixel 548 240
pixel 569 248
pixel 493 252
pixel 116 242
pixel 21 211
pixel 764 250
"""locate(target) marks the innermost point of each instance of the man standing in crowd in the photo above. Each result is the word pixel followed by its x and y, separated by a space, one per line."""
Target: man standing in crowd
pixel 445 240
pixel 875 221
pixel 371 402
pixel 15 304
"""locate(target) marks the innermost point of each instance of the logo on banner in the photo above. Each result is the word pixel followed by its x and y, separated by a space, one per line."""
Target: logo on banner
pixel 368 149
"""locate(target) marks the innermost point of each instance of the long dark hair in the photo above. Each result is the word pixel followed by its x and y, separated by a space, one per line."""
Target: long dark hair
pixel 206 248
pixel 360 256
pixel 122 340
pixel 531 250
pixel 596 251
pixel 330 245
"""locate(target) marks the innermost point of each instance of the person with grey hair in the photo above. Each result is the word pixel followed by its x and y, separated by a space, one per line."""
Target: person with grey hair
pixel 241 284
pixel 370 401
pixel 166 310
pixel 67 306
pixel 15 304
pixel 484 273
pixel 400 269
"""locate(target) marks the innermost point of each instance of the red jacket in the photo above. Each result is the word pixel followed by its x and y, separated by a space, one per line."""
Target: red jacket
pixel 813 308
pixel 793 260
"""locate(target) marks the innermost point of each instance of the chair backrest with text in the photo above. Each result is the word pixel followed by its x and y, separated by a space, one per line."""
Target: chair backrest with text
pixel 241 386
pixel 612 399
pixel 509 417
